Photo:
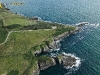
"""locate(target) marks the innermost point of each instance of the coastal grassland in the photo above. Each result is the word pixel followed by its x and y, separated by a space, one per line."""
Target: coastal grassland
pixel 22 42
pixel 13 65
pixel 12 18
pixel 62 30
pixel 14 21
pixel 17 54
pixel 3 32
pixel 44 59
pixel 42 25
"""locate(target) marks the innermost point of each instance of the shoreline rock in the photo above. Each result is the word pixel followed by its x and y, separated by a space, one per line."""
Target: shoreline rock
pixel 54 44
pixel 65 61
pixel 46 64
pixel 64 35
pixel 82 24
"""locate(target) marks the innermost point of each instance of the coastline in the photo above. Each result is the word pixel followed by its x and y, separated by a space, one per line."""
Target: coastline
pixel 53 45
pixel 56 59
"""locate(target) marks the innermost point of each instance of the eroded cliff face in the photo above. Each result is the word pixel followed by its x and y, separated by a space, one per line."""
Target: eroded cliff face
pixel 64 35
pixel 67 61
pixel 64 60
pixel 54 44
pixel 36 72
pixel 46 63
pixel 47 48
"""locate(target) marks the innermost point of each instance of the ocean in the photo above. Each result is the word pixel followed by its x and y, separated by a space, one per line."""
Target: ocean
pixel 84 44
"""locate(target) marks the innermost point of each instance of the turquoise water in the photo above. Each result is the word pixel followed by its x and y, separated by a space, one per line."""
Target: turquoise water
pixel 85 44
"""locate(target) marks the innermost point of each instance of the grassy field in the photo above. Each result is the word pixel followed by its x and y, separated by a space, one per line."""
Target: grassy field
pixel 12 18
pixel 18 44
pixel 22 42
pixel 16 22
pixel 16 55
pixel 13 63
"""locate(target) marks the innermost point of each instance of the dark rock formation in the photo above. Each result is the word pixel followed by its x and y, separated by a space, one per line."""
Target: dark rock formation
pixel 82 24
pixel 36 53
pixel 53 45
pixel 46 49
pixel 34 18
pixel 60 37
pixel 66 60
pixel 46 63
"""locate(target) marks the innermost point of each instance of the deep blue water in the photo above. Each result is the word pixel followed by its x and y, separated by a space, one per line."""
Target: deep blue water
pixel 85 44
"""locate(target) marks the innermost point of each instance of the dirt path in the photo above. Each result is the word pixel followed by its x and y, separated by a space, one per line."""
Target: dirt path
pixel 8 36
pixel 17 31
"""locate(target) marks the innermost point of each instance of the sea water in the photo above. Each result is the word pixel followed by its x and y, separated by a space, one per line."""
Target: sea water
pixel 84 45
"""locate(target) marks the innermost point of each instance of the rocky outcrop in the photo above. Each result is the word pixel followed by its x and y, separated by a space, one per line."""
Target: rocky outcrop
pixel 65 60
pixel 68 60
pixel 46 63
pixel 82 24
pixel 46 49
pixel 37 52
pixel 54 44
pixel 60 37
pixel 43 63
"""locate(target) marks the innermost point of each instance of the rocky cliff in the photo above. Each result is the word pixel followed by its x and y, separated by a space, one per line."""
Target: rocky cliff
pixel 54 44
pixel 44 64
pixel 65 60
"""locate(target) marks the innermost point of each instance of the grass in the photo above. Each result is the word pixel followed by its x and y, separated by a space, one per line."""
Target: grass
pixel 22 42
pixel 44 59
pixel 63 30
pixel 11 18
pixel 10 63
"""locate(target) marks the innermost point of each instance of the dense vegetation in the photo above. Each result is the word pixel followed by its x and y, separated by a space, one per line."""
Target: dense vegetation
pixel 17 54
pixel 61 30
pixel 3 32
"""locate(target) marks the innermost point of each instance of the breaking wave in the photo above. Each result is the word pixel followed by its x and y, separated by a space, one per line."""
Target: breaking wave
pixel 77 63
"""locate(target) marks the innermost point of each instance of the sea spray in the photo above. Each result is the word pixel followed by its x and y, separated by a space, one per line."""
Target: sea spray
pixel 77 62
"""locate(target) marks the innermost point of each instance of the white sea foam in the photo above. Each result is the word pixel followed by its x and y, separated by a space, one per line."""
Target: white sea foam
pixel 95 25
pixel 78 61
pixel 57 49
pixel 53 55
pixel 58 41
pixel 85 23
